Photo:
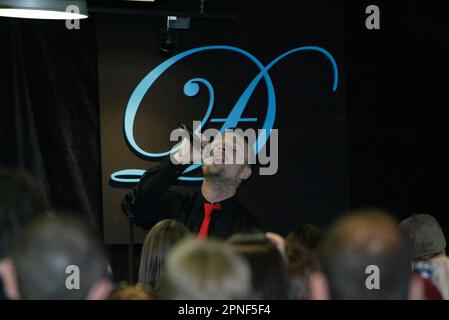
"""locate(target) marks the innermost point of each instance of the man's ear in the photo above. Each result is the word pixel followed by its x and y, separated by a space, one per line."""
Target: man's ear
pixel 319 288
pixel 416 288
pixel 8 276
pixel 246 173
pixel 100 290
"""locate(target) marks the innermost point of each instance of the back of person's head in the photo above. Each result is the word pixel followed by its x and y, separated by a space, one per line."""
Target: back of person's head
pixel 424 235
pixel 364 256
pixel 159 240
pixel 306 236
pixel 21 201
pixel 302 243
pixel 129 292
pixel 300 272
pixel 205 270
pixel 59 257
pixel 301 248
pixel 269 271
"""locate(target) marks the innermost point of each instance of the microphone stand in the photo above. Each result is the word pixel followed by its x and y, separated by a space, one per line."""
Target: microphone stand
pixel 129 214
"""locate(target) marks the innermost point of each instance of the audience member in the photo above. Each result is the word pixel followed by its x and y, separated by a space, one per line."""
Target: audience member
pixel 129 292
pixel 428 243
pixel 364 256
pixel 205 270
pixel 20 202
pixel 159 240
pixel 269 271
pixel 302 256
pixel 58 257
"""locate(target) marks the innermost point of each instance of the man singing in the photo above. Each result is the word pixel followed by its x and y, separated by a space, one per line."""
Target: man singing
pixel 214 210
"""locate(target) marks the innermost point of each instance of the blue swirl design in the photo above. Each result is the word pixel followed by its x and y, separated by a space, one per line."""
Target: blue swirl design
pixel 192 88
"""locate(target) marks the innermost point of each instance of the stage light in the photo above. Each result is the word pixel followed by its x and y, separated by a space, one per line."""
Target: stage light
pixel 44 9
pixel 168 39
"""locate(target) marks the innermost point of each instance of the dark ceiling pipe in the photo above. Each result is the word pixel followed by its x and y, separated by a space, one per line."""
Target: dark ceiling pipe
pixel 160 13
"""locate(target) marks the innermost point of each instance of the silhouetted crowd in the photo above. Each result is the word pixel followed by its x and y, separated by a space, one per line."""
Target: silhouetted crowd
pixel 364 254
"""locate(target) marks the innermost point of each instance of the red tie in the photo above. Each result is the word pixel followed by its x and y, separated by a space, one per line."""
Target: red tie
pixel 208 208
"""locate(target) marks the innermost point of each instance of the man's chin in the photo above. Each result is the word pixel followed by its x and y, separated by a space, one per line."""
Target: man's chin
pixel 212 170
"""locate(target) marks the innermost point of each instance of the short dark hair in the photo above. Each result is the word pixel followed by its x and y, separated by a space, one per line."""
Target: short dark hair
pixel 269 272
pixel 21 200
pixel 358 240
pixel 44 251
pixel 159 240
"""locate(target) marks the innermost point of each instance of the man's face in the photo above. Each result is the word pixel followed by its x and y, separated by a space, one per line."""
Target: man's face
pixel 226 160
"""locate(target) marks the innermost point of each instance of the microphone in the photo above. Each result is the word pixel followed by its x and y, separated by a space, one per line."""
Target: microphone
pixel 194 136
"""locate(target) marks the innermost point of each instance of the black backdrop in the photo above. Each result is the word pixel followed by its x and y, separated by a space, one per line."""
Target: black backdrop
pixel 396 95
pixel 49 122
pixel 397 102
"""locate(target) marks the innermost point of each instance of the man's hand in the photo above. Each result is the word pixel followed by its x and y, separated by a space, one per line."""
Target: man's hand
pixel 188 154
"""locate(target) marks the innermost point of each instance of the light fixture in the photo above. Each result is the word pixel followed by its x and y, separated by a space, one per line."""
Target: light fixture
pixel 168 39
pixel 44 9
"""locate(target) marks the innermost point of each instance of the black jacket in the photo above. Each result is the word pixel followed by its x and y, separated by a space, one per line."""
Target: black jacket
pixel 150 201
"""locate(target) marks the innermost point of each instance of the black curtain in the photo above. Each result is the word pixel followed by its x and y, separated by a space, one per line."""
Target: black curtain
pixel 397 102
pixel 49 122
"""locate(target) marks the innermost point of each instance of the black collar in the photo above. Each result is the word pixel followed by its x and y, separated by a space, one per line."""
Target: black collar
pixel 226 203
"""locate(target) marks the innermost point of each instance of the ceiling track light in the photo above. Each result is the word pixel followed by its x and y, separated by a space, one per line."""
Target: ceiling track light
pixel 168 39
pixel 44 9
